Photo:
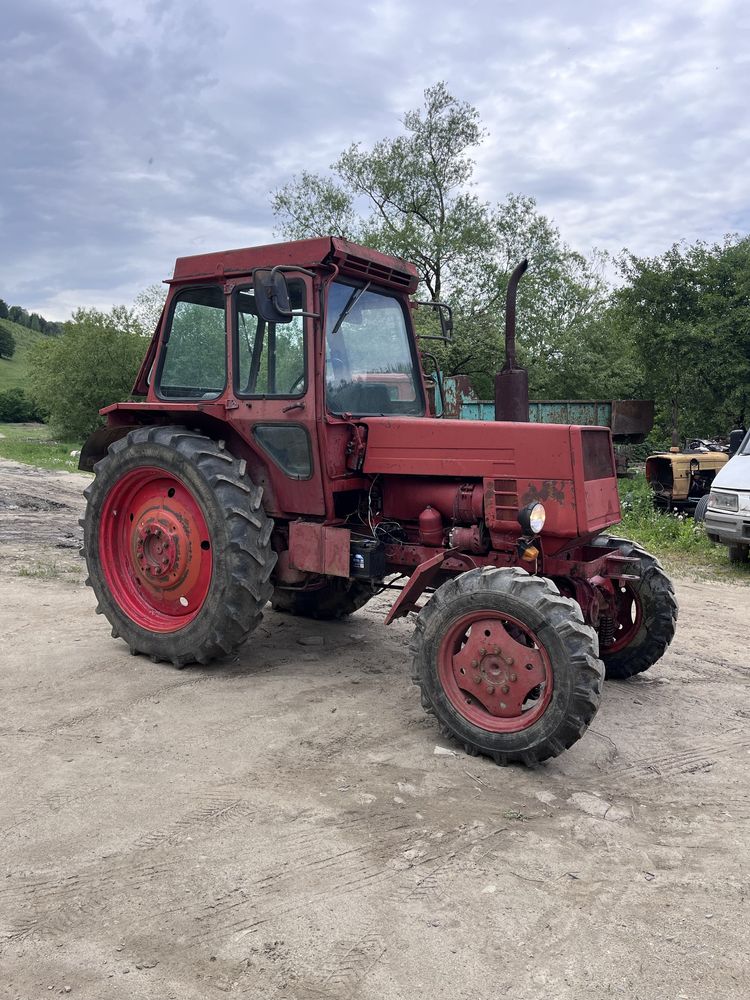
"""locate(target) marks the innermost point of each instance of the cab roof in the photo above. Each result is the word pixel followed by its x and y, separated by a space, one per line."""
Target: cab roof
pixel 352 259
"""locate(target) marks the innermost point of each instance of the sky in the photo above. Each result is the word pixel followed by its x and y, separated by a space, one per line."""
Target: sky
pixel 136 131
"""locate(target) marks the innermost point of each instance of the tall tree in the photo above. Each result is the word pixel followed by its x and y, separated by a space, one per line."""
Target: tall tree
pixel 411 196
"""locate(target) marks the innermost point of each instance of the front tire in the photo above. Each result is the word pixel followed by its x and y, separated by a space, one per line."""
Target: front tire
pixel 646 615
pixel 507 665
pixel 177 545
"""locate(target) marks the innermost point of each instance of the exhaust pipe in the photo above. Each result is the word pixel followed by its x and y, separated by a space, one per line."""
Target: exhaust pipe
pixel 512 383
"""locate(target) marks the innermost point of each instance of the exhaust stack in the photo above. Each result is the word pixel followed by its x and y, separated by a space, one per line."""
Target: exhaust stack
pixel 512 383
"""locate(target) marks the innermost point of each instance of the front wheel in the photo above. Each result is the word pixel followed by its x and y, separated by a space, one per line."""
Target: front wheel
pixel 507 665
pixel 645 616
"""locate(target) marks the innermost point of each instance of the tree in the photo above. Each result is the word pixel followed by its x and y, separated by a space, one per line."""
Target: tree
pixel 148 305
pixel 3 309
pixel 7 342
pixel 92 364
pixel 17 314
pixel 16 407
pixel 411 196
pixel 689 312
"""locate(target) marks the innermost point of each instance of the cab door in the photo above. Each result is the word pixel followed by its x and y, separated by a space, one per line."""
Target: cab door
pixel 274 388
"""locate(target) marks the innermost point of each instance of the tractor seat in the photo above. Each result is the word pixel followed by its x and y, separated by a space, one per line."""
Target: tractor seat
pixel 360 397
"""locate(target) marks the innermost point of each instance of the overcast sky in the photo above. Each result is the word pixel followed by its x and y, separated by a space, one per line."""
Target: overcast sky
pixel 135 131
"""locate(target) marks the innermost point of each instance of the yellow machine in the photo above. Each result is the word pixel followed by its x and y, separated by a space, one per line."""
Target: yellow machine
pixel 680 479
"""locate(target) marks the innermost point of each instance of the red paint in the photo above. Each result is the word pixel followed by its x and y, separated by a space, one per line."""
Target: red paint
pixel 430 527
pixel 317 548
pixel 155 550
pixel 367 470
pixel 495 672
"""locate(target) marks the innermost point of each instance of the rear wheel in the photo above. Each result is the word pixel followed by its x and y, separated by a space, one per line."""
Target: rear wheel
pixel 335 598
pixel 646 616
pixel 177 545
pixel 507 665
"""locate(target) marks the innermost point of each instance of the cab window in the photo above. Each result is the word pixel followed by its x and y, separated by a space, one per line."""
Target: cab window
pixel 194 356
pixel 370 363
pixel 270 357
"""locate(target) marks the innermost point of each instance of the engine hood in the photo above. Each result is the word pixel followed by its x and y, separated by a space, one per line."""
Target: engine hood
pixel 473 449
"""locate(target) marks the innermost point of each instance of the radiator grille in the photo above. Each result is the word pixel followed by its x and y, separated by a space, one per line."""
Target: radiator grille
pixel 506 499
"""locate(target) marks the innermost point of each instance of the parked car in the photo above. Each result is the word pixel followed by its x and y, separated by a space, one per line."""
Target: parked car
pixel 727 517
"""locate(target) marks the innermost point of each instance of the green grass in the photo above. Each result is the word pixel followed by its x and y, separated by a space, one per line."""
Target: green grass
pixel 13 370
pixel 35 444
pixel 674 538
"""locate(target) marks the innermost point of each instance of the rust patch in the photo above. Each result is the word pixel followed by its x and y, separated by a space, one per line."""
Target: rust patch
pixel 551 489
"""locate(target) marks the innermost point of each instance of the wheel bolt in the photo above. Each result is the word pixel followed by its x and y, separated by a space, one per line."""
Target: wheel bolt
pixel 496 650
pixel 491 688
pixel 505 689
pixel 514 677
pixel 475 664
pixel 477 678
pixel 482 652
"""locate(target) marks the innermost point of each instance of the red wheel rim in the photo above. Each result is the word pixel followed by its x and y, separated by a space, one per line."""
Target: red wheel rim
pixel 495 672
pixel 155 549
pixel 629 616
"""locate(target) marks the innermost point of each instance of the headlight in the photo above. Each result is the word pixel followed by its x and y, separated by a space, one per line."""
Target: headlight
pixel 724 501
pixel 531 518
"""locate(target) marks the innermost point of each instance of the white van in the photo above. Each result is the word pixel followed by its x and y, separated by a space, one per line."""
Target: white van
pixel 727 517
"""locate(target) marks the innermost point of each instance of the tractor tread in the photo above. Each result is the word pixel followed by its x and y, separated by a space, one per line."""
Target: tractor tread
pixel 234 512
pixel 580 670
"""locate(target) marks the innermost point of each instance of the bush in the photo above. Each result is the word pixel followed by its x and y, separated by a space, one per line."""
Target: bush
pixel 93 364
pixel 17 408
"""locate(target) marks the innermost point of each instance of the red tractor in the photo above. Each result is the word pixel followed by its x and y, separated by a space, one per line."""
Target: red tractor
pixel 287 449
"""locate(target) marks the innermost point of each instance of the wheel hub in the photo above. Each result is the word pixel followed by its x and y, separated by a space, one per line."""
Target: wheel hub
pixel 155 549
pixel 495 671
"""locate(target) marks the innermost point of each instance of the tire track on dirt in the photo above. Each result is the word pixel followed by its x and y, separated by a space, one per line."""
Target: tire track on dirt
pixel 700 755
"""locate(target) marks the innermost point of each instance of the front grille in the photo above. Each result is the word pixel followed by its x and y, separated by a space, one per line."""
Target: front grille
pixel 506 499
pixel 598 462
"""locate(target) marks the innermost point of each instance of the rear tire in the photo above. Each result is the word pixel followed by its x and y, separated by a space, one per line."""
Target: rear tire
pixel 650 604
pixel 336 598
pixel 177 545
pixel 507 665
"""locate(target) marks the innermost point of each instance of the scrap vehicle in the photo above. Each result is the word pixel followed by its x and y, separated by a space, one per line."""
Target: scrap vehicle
pixel 283 449
pixel 679 480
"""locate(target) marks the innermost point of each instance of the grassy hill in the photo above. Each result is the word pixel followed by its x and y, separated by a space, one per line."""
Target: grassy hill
pixel 13 370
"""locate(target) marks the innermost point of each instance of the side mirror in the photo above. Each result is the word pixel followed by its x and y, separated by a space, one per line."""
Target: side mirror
pixel 272 296
pixel 445 315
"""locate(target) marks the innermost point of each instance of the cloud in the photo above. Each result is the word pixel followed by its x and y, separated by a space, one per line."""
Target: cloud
pixel 134 133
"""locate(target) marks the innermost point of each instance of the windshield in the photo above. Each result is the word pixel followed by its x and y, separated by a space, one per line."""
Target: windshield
pixel 370 367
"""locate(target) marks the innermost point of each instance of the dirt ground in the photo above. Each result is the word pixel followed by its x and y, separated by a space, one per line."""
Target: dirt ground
pixel 288 824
